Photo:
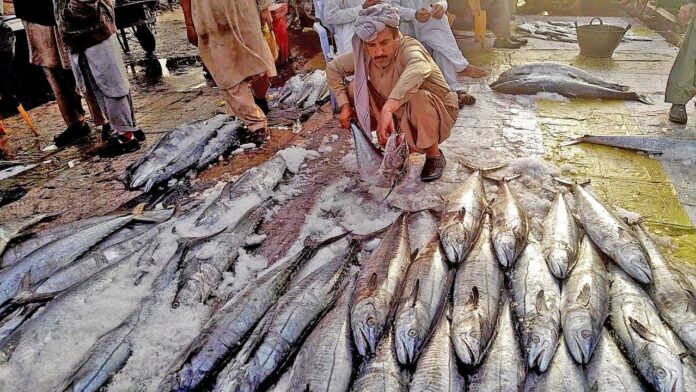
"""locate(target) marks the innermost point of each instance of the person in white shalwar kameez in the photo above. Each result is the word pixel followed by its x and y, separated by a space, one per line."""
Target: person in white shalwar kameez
pixel 341 14
pixel 425 20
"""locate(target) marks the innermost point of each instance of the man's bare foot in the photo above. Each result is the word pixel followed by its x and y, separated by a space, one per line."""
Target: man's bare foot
pixel 474 72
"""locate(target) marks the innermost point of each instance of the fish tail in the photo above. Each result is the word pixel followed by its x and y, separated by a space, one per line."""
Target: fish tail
pixel 471 166
pixel 575 141
pixel 645 99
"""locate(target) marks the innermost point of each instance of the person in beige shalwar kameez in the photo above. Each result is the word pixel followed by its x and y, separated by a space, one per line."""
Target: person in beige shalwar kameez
pixel 229 36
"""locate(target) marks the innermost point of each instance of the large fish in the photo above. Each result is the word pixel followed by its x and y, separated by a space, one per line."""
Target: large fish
pixel 671 292
pixel 585 303
pixel 284 328
pixel 555 69
pixel 14 320
pixel 425 291
pixel 369 157
pixel 325 361
pixel 437 369
pixel 313 89
pixel 612 235
pixel 477 291
pixel 395 163
pixel 510 225
pixel 382 373
pixel 561 238
pixel 645 339
pixel 646 143
pixel 536 297
pixel 504 368
pixel 608 370
pixel 226 137
pixel 9 230
pixel 378 287
pixel 223 335
pixel 564 375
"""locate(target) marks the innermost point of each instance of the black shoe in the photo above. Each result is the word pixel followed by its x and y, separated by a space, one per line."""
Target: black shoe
pixel 139 135
pixel 677 114
pixel 118 145
pixel 518 40
pixel 506 44
pixel 263 104
pixel 106 132
pixel 433 168
pixel 72 134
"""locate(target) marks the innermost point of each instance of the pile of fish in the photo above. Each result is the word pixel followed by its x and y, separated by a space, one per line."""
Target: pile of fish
pixel 305 91
pixel 562 31
pixel 187 147
pixel 561 79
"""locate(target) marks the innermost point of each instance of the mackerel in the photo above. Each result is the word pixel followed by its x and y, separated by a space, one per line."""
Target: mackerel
pixel 425 290
pixel 561 238
pixel 535 300
pixel 564 375
pixel 477 292
pixel 585 303
pixel 608 370
pixel 378 287
pixel 673 295
pixel 510 227
pixel 382 373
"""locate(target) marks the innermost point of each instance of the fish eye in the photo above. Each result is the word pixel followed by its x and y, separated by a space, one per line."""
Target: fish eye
pixel 535 339
pixel 412 332
pixel 661 372
pixel 370 321
pixel 586 334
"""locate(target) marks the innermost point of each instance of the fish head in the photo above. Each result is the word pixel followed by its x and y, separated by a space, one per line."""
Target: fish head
pixel 505 245
pixel 368 325
pixel 579 335
pixel 663 368
pixel 638 264
pixel 456 241
pixel 558 260
pixel 541 345
pixel 466 338
pixel 395 157
pixel 411 329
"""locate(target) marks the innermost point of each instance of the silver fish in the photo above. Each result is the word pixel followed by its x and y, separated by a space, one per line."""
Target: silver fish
pixel 510 225
pixel 564 375
pixel 437 369
pixel 378 287
pixel 585 303
pixel 16 319
pixel 425 290
pixel 382 373
pixel 9 230
pixel 325 361
pixel 646 143
pixel 504 368
pixel 395 163
pixel 369 157
pixel 612 235
pixel 15 170
pixel 608 370
pixel 226 137
pixel 671 292
pixel 313 86
pixel 284 328
pixel 535 300
pixel 561 238
pixel 555 69
pixel 477 291
pixel 642 334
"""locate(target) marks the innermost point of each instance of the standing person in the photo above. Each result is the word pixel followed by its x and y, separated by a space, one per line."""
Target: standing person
pixel 497 18
pixel 395 77
pixel 229 36
pixel 87 28
pixel 425 20
pixel 341 14
pixel 681 85
pixel 48 52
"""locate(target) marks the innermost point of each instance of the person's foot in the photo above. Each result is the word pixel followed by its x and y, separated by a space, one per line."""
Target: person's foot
pixel 518 40
pixel 106 132
pixel 262 103
pixel 474 72
pixel 433 168
pixel 677 114
pixel 72 134
pixel 118 145
pixel 506 43
pixel 465 99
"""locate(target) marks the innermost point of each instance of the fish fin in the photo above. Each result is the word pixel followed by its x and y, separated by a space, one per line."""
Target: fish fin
pixel 372 283
pixel 25 283
pixel 541 305
pixel 414 254
pixel 474 298
pixel 461 214
pixel 501 180
pixel 686 354
pixel 645 99
pixel 139 209
pixel 413 299
pixel 584 296
pixel 575 141
pixel 641 329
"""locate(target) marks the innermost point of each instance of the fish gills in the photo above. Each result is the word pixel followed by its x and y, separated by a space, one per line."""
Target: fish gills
pixel 382 373
pixel 510 226
pixel 536 298
pixel 612 235
pixel 608 370
pixel 477 290
pixel 378 287
pixel 561 238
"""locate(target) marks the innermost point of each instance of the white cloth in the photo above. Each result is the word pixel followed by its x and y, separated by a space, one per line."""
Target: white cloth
pixel 341 14
pixel 436 35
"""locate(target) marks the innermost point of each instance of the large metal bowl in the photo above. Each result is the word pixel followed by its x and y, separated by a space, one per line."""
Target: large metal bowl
pixel 599 40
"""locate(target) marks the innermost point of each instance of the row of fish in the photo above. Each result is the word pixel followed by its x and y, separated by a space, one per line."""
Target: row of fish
pixel 187 147
pixel 305 91
pixel 561 79
pixel 562 31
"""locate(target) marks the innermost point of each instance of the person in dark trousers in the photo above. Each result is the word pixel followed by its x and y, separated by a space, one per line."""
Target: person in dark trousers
pixel 47 51
pixel 88 29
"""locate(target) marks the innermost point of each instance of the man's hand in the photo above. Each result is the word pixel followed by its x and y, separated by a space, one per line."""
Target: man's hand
pixel 345 116
pixel 438 11
pixel 385 126
pixel 686 12
pixel 266 17
pixel 422 15
pixel 370 3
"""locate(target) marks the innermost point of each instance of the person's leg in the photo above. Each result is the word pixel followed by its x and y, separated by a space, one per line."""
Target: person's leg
pixel 259 87
pixel 241 102
pixel 498 19
pixel 68 99
pixel 680 85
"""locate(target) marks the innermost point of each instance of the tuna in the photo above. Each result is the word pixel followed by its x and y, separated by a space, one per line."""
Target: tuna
pixel 477 291
pixel 555 69
pixel 608 370
pixel 226 138
pixel 585 303
pixel 510 227
pixel 395 163
pixel 564 375
pixel 536 297
pixel 425 291
pixel 382 373
pixel 378 288
pixel 369 157
pixel 561 238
